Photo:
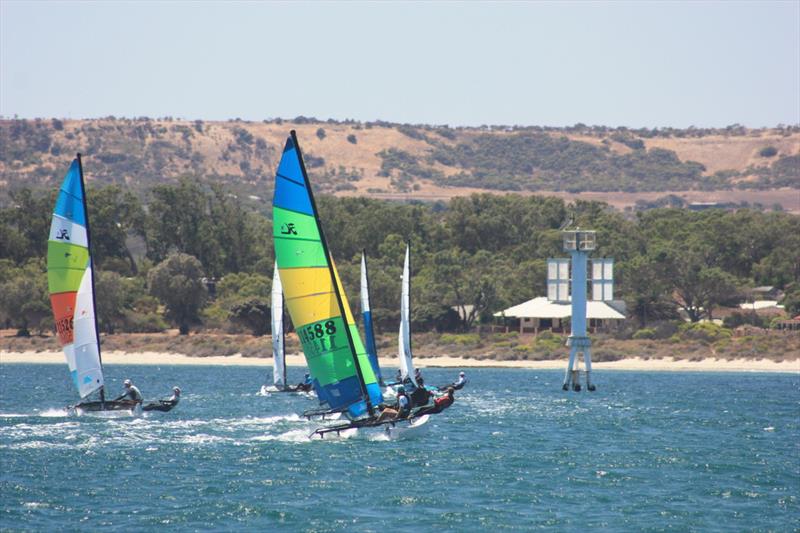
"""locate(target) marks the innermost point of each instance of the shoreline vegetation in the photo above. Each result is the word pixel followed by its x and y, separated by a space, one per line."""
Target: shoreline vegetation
pixel 756 354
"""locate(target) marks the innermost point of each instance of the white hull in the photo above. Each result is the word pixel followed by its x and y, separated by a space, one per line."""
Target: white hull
pixel 120 413
pixel 417 427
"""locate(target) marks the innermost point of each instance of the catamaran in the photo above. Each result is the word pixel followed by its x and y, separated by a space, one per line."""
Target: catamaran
pixel 70 278
pixel 279 382
pixel 366 316
pixel 342 374
pixel 404 339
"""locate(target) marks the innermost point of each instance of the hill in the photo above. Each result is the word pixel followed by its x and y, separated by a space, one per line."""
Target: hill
pixel 399 160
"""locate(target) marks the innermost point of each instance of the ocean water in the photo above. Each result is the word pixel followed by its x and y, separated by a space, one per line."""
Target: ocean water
pixel 653 452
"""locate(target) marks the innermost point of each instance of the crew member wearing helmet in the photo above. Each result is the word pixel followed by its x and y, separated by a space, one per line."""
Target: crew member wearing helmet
pixel 403 403
pixel 131 392
pixel 460 382
pixel 403 407
pixel 165 405
pixel 176 396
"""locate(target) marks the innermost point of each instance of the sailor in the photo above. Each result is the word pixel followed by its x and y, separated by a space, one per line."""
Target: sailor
pixel 131 392
pixel 175 398
pixel 439 404
pixel 460 382
pixel 398 378
pixel 306 384
pixel 418 377
pixel 403 403
pixel 420 395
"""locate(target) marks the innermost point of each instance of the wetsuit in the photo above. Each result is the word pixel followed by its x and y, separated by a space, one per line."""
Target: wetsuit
pixel 460 382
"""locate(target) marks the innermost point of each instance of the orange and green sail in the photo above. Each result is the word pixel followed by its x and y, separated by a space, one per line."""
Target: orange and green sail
pixel 71 283
pixel 343 376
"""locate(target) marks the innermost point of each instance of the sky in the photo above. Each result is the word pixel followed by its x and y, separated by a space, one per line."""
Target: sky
pixel 634 64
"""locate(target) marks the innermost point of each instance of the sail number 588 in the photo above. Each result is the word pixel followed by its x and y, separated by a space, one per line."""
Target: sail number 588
pixel 317 331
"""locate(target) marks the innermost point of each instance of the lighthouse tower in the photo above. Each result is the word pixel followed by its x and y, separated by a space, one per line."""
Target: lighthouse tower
pixel 579 243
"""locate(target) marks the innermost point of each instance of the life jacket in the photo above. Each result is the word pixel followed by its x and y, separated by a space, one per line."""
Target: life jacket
pixel 403 403
pixel 443 402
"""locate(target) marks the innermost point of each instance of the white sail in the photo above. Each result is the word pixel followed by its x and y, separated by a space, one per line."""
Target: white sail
pixel 278 352
pixel 83 357
pixel 404 343
pixel 364 286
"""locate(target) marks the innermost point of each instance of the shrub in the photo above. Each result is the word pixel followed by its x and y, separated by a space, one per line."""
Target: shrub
pixel 738 319
pixel 768 151
pixel 352 139
pixel 645 333
pixel 320 133
pixel 704 332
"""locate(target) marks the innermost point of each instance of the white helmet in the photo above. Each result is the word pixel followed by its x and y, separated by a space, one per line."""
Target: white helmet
pixel 127 382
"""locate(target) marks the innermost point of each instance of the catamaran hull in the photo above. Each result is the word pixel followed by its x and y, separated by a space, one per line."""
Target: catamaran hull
pixel 417 427
pixel 163 407
pixel 266 390
pixel 108 409
pixel 393 429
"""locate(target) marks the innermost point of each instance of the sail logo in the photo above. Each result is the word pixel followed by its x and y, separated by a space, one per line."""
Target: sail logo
pixel 288 229
pixel 62 235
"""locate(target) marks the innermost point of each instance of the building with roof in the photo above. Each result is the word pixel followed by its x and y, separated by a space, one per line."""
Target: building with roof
pixel 541 314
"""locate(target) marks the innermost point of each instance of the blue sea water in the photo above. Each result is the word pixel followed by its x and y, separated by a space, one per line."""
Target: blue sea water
pixel 658 451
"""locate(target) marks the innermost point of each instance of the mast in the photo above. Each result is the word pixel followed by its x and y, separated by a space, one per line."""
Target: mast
pixel 91 267
pixel 324 242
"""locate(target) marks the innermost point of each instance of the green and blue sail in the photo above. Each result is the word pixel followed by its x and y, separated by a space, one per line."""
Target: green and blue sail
pixel 342 374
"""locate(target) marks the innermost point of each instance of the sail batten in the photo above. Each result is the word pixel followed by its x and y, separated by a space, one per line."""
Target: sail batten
pixel 71 284
pixel 314 297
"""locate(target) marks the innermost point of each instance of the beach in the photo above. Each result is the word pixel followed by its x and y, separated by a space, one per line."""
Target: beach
pixel 632 364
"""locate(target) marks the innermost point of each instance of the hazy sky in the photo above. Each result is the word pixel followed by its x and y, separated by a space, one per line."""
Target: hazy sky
pixel 529 63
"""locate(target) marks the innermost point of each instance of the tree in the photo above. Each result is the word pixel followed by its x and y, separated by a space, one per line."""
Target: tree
pixel 467 283
pixel 178 283
pixel 646 290
pixel 320 133
pixel 699 288
pixel 114 215
pixel 24 299
pixel 352 139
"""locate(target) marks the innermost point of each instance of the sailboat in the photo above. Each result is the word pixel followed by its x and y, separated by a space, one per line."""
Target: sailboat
pixel 404 339
pixel 70 278
pixel 279 382
pixel 366 315
pixel 342 375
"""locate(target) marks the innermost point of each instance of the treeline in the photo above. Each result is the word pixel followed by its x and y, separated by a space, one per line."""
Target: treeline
pixel 195 255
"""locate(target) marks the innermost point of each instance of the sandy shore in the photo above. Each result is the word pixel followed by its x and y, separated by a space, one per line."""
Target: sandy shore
pixel 637 364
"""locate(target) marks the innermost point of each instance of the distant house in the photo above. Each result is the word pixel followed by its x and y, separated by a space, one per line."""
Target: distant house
pixel 702 206
pixel 541 314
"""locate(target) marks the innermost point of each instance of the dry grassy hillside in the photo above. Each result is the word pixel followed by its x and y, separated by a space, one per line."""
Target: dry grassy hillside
pixel 401 161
